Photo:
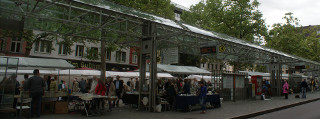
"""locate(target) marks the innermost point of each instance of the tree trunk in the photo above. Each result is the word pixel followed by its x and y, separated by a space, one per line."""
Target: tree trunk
pixel 103 60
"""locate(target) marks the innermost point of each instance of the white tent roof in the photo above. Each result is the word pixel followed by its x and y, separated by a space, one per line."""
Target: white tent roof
pixel 122 74
pixel 80 72
pixel 173 69
pixel 35 62
pixel 198 77
pixel 136 74
pixel 109 73
pixel 30 71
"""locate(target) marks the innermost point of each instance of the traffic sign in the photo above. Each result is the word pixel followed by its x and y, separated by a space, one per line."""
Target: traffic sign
pixel 222 48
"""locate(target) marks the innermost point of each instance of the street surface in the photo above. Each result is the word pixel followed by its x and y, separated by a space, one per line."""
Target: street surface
pixel 305 111
pixel 228 110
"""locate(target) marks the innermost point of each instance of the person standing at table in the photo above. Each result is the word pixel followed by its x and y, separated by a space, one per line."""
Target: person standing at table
pixel 110 91
pixel 170 93
pixel 82 85
pixel 93 84
pixel 36 87
pixel 186 86
pixel 137 84
pixel 75 86
pixel 100 90
pixel 119 88
pixel 202 96
pixel 24 85
pixel 53 84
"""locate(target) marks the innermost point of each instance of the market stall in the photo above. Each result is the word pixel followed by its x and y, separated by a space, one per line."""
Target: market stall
pixel 25 66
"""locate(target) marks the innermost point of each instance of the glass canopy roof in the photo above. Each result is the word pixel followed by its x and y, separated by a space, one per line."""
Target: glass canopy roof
pixel 90 15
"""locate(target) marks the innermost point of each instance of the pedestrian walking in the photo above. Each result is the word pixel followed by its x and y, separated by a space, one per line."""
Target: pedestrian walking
pixel 36 87
pixel 304 87
pixel 285 89
pixel 202 96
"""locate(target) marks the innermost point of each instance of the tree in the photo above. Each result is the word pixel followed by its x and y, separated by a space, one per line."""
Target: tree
pixel 286 37
pixel 161 8
pixel 237 18
pixel 292 38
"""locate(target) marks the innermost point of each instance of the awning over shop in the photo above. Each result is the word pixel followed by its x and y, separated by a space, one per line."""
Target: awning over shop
pixel 35 62
pixel 173 69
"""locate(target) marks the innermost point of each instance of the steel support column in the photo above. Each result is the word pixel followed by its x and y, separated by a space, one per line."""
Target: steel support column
pixel 275 77
pixel 148 52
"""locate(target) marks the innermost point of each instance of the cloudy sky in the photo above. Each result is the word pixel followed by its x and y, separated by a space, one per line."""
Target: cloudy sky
pixel 307 11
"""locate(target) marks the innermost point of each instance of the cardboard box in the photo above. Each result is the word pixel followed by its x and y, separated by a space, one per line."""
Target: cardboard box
pixel 61 108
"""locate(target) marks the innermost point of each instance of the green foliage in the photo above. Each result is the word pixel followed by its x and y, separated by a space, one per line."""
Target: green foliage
pixel 286 37
pixel 237 18
pixel 92 53
pixel 311 44
pixel 162 8
pixel 292 38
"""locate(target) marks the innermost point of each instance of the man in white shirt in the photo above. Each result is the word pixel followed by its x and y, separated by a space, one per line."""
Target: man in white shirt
pixel 93 84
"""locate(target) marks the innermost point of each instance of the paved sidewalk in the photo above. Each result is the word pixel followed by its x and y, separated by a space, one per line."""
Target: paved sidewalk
pixel 227 110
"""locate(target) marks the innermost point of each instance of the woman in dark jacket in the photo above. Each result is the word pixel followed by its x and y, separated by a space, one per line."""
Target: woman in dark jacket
pixel 186 86
pixel 171 93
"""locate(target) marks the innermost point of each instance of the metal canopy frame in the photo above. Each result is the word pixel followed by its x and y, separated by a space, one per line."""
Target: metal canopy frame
pixel 83 18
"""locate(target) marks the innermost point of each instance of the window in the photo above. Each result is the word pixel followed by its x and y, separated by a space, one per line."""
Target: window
pixel 43 46
pixel 79 50
pixel 15 45
pixel 118 53
pixel 62 49
pixel 135 59
pixel 94 51
pixel 121 56
pixel 124 57
pixel 108 55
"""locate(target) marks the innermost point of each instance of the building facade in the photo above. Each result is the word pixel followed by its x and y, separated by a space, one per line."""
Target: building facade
pixel 120 60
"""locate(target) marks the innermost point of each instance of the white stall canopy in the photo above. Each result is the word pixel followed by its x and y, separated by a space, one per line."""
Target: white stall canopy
pixel 135 74
pixel 81 72
pixel 30 72
pixel 173 69
pixel 32 63
pixel 199 77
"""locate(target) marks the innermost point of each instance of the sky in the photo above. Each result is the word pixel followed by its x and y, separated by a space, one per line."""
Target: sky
pixel 307 11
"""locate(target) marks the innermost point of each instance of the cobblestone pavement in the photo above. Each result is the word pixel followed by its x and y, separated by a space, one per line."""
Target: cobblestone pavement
pixel 228 109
